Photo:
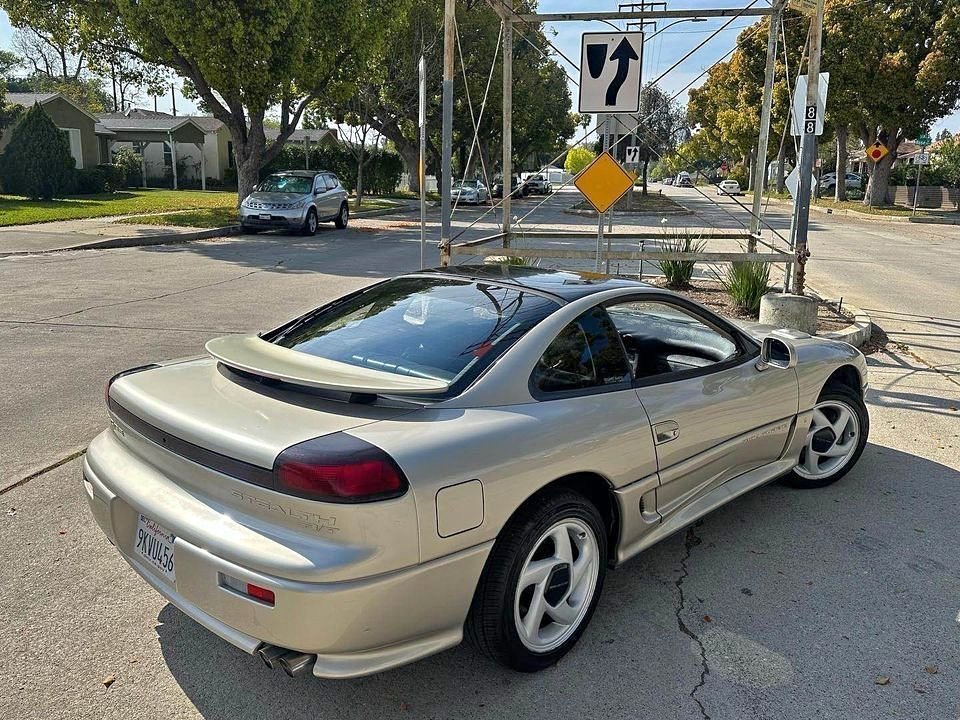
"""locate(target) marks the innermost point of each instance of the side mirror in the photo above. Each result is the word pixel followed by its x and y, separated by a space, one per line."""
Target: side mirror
pixel 776 352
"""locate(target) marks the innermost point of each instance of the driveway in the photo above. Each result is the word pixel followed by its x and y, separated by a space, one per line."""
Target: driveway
pixel 783 604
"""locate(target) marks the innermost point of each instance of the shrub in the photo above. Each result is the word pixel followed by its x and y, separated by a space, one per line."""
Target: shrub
pixel 747 282
pixel 679 272
pixel 37 163
pixel 381 175
pixel 129 166
pixel 740 174
pixel 104 178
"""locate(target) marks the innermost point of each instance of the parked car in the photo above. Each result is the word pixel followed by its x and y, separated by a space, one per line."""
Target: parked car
pixel 828 182
pixel 728 187
pixel 683 180
pixel 538 185
pixel 667 181
pixel 460 451
pixel 295 200
pixel 470 192
pixel 517 189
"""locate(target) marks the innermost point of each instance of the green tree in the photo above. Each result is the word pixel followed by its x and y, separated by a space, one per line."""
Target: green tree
pixel 946 159
pixel 577 159
pixel 240 58
pixel 663 126
pixel 37 162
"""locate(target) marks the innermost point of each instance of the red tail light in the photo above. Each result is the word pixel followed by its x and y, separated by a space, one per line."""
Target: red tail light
pixel 261 594
pixel 338 468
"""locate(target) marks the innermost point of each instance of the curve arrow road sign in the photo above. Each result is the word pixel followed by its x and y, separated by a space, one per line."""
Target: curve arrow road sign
pixel 610 72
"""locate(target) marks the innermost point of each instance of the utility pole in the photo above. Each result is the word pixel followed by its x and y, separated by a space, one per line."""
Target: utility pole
pixel 446 154
pixel 507 143
pixel 422 169
pixel 808 150
pixel 760 173
pixel 173 99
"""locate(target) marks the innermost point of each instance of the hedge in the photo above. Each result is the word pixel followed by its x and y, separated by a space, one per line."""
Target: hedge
pixel 37 162
pixel 381 175
pixel 104 178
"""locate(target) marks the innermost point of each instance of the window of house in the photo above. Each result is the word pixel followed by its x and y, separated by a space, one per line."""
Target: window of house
pixel 586 354
pixel 167 154
pixel 76 147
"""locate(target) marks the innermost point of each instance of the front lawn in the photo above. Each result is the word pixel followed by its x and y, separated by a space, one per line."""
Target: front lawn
pixel 20 211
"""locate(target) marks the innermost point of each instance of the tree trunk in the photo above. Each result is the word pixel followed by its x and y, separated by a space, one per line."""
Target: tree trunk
pixel 781 161
pixel 410 155
pixel 360 165
pixel 646 162
pixel 876 193
pixel 248 147
pixel 841 190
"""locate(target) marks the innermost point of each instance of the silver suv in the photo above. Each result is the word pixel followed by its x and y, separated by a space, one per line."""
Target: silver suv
pixel 295 200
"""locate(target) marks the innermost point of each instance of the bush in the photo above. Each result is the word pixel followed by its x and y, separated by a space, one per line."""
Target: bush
pixel 679 272
pixel 381 175
pixel 104 178
pixel 747 282
pixel 740 174
pixel 129 166
pixel 37 163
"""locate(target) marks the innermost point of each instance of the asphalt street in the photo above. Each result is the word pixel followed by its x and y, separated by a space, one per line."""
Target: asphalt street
pixel 783 604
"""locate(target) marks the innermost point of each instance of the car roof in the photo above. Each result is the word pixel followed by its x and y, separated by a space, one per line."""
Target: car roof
pixel 300 173
pixel 564 284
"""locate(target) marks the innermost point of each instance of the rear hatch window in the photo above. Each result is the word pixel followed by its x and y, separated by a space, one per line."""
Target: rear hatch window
pixel 438 328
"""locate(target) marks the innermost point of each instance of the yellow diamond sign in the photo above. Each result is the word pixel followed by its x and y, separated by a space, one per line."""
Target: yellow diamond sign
pixel 603 182
pixel 877 151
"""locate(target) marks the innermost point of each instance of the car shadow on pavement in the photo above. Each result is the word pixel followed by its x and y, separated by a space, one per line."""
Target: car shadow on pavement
pixel 777 600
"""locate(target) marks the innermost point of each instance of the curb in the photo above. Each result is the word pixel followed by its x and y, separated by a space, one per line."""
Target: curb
pixel 134 241
pixel 865 216
pixel 634 213
pixel 855 334
pixel 934 220
pixel 406 208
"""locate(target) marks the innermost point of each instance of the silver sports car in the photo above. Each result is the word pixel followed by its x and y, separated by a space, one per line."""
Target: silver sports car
pixel 450 452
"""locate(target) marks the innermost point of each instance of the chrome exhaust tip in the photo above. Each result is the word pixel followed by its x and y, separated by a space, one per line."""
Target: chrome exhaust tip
pixel 295 663
pixel 271 654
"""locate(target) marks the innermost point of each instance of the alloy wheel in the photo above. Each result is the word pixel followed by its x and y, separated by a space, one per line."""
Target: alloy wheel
pixel 556 585
pixel 831 440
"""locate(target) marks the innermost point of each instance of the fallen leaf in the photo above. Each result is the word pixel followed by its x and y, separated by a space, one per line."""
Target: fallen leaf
pixel 882 680
pixel 109 680
pixel 931 669
pixel 707 618
pixel 62 532
pixel 404 707
pixel 11 512
pixel 919 530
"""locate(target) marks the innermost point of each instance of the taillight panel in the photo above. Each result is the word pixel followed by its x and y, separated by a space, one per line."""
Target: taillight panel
pixel 338 468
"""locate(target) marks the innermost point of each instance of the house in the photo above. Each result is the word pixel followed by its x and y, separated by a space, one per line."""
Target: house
pixel 210 157
pixel 82 129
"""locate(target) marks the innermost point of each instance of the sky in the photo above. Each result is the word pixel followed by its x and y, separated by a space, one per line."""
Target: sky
pixel 660 53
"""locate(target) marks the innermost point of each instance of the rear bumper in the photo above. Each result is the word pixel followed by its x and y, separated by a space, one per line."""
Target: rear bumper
pixel 355 627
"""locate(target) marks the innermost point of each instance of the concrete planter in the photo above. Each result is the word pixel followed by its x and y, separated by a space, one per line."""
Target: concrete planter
pixel 784 310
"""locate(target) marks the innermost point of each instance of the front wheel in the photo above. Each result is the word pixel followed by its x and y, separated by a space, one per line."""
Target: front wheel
pixel 343 217
pixel 835 440
pixel 310 224
pixel 541 583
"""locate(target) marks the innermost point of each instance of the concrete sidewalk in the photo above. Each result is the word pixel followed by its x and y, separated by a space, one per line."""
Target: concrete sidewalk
pixel 72 234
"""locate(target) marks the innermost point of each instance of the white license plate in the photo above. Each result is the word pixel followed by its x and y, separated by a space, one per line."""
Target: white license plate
pixel 154 543
pixel 264 216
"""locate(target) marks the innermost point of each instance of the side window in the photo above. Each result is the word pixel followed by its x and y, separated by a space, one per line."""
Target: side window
pixel 585 354
pixel 332 182
pixel 662 338
pixel 319 185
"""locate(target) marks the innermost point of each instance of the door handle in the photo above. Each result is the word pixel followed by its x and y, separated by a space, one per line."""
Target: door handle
pixel 664 432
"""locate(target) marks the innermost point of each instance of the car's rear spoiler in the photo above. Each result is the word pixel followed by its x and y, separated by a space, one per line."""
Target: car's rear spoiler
pixel 252 354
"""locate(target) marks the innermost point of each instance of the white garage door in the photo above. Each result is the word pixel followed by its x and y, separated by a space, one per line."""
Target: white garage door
pixel 76 149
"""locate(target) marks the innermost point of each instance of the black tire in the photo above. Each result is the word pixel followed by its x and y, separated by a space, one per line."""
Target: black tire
pixel 491 626
pixel 311 223
pixel 853 400
pixel 343 217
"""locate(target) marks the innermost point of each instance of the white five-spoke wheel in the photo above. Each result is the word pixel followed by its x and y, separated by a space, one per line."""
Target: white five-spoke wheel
pixel 835 439
pixel 831 440
pixel 541 582
pixel 556 585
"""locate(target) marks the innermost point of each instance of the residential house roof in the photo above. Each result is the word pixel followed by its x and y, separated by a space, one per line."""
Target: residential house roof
pixel 111 121
pixel 28 99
